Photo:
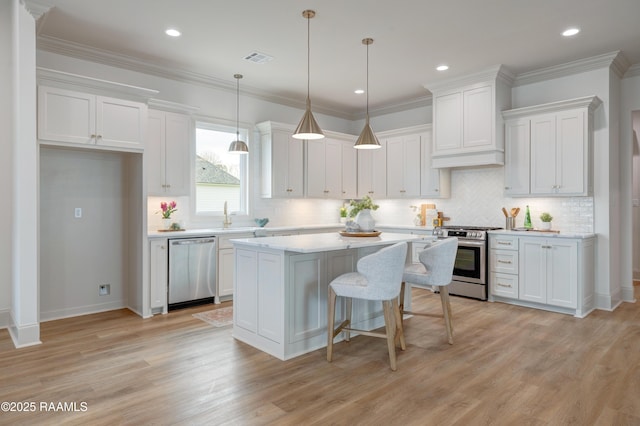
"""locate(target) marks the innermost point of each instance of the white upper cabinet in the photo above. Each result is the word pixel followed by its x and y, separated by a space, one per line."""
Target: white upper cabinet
pixel 403 166
pixel 167 151
pixel 467 125
pixel 324 168
pixel 434 183
pixel 349 170
pixel 282 161
pixel 550 148
pixel 372 172
pixel 70 117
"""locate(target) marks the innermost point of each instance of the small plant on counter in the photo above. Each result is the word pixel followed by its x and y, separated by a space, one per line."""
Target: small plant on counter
pixel 546 217
pixel 167 209
pixel 365 203
pixel 343 211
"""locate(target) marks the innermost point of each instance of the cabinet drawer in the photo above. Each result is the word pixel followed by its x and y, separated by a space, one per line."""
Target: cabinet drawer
pixel 503 242
pixel 504 285
pixel 416 249
pixel 505 261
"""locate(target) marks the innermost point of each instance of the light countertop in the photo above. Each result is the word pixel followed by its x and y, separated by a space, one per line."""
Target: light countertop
pixel 203 232
pixel 313 243
pixel 547 234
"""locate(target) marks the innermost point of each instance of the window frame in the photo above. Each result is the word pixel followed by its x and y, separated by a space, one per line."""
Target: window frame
pixel 220 125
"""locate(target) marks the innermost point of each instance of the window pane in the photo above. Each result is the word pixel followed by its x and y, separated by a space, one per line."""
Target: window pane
pixel 219 176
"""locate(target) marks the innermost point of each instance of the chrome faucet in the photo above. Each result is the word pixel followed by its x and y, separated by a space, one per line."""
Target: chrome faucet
pixel 227 221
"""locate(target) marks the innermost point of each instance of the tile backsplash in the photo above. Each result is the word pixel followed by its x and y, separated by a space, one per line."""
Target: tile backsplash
pixel 476 199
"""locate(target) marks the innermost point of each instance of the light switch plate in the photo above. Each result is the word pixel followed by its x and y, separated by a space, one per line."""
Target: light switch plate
pixel 78 212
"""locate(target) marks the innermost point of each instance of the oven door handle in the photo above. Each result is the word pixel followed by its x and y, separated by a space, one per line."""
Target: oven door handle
pixel 467 243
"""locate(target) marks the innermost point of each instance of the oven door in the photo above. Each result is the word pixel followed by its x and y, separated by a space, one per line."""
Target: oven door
pixel 470 262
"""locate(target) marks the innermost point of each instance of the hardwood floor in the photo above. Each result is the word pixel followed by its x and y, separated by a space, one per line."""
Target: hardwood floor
pixel 509 365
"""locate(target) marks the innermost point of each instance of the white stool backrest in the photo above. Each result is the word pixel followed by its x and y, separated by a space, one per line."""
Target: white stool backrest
pixel 383 270
pixel 439 259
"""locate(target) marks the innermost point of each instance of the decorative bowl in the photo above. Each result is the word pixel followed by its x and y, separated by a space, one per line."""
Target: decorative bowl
pixel 261 222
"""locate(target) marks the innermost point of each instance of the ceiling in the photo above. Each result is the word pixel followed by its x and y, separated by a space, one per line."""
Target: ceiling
pixel 411 37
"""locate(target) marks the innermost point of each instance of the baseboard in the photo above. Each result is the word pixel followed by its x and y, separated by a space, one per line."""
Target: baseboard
pixel 24 336
pixel 5 318
pixel 81 310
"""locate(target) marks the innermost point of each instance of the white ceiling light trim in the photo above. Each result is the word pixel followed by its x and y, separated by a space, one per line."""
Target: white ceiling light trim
pixel 570 32
pixel 172 32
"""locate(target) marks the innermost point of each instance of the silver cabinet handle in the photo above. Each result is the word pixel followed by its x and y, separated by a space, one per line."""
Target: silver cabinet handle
pixel 504 261
pixel 503 285
pixel 190 242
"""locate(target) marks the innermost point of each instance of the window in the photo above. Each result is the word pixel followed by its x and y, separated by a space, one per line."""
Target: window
pixel 219 176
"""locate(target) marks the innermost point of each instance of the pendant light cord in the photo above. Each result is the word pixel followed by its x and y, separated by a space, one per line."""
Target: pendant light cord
pixel 368 81
pixel 237 107
pixel 308 56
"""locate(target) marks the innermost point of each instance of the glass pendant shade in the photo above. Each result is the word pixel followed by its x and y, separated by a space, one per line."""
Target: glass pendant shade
pixel 367 139
pixel 308 127
pixel 238 146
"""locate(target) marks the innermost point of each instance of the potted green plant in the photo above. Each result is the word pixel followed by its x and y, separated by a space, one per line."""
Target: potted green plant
pixel 361 210
pixel 546 219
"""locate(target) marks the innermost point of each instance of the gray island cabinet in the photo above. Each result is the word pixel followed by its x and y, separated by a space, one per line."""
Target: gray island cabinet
pixel 280 288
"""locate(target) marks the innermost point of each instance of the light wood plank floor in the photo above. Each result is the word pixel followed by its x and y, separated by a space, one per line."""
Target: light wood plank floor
pixel 508 366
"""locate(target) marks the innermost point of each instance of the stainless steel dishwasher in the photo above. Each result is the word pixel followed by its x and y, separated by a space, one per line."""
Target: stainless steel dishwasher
pixel 192 271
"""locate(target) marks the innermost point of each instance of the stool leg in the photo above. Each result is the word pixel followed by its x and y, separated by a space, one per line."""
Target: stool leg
pixel 330 322
pixel 399 326
pixel 401 307
pixel 347 333
pixel 446 310
pixel 388 322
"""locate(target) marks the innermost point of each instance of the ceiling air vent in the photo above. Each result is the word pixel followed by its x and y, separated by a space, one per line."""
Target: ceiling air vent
pixel 258 58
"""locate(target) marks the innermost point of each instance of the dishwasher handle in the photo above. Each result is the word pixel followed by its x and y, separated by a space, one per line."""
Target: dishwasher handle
pixel 193 241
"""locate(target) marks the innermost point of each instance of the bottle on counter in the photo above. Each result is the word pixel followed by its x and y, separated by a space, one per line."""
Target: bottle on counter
pixel 527 219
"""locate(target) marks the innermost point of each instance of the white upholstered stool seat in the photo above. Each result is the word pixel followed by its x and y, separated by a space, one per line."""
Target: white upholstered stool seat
pixel 378 277
pixel 435 269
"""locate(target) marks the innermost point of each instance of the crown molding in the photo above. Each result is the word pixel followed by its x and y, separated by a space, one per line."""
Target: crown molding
pixel 633 71
pixel 171 106
pixel 36 8
pixel 497 72
pixel 569 68
pixel 421 102
pixel 591 103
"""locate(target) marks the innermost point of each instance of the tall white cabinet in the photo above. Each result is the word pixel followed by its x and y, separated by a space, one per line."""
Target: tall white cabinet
pixel 282 161
pixel 549 149
pixel 167 152
pixel 330 168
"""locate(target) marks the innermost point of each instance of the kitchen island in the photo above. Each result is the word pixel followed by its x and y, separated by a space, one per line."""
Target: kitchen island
pixel 280 288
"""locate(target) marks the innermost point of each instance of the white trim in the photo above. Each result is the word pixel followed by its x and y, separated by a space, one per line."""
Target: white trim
pixel 81 310
pixel 171 106
pixel 5 318
pixel 574 67
pixel 633 71
pixel 497 72
pixel 24 336
pixel 590 102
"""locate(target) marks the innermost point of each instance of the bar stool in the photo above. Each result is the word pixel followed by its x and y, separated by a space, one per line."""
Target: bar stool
pixel 435 269
pixel 377 278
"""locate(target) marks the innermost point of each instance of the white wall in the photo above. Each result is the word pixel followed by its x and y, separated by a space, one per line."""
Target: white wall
pixel 79 254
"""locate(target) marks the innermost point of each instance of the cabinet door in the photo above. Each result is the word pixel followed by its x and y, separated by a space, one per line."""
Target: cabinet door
pixel 286 166
pixel 245 290
pixel 516 162
pixel 543 154
pixel 308 295
pixel 225 272
pixel 478 110
pixel 349 171
pixel 270 297
pixel 316 167
pixel 66 116
pixel 372 172
pixel 154 153
pixel 158 273
pixel 533 270
pixel 571 153
pixel 120 123
pixel 176 154
pixel 395 168
pixel 562 273
pixel 447 123
pixel 333 169
pixel 434 183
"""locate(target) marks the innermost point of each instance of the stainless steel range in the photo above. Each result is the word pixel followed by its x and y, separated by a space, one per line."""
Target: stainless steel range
pixel 470 275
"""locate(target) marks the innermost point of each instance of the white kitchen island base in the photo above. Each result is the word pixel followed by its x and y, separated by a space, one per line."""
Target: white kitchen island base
pixel 280 289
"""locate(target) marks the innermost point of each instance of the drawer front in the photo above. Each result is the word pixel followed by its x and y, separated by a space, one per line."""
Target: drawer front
pixel 503 285
pixel 416 249
pixel 504 261
pixel 503 242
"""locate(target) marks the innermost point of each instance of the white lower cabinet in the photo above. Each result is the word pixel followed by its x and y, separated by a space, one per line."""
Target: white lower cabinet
pixel 548 273
pixel 225 267
pixel 159 274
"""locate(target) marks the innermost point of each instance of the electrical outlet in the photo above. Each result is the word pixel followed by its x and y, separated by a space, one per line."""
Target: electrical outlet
pixel 77 212
pixel 104 289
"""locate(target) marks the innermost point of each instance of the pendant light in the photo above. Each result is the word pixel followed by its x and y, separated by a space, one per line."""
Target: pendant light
pixel 367 139
pixel 238 146
pixel 308 127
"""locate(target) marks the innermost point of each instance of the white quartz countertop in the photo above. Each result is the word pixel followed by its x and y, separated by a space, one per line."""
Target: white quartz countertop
pixel 547 234
pixel 203 232
pixel 313 243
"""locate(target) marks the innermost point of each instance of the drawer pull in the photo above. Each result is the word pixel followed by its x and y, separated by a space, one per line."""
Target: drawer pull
pixel 504 243
pixel 508 262
pixel 503 285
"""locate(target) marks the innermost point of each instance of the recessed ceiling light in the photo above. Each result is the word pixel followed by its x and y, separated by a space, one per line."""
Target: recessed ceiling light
pixel 173 32
pixel 570 32
pixel 442 67
pixel 358 91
